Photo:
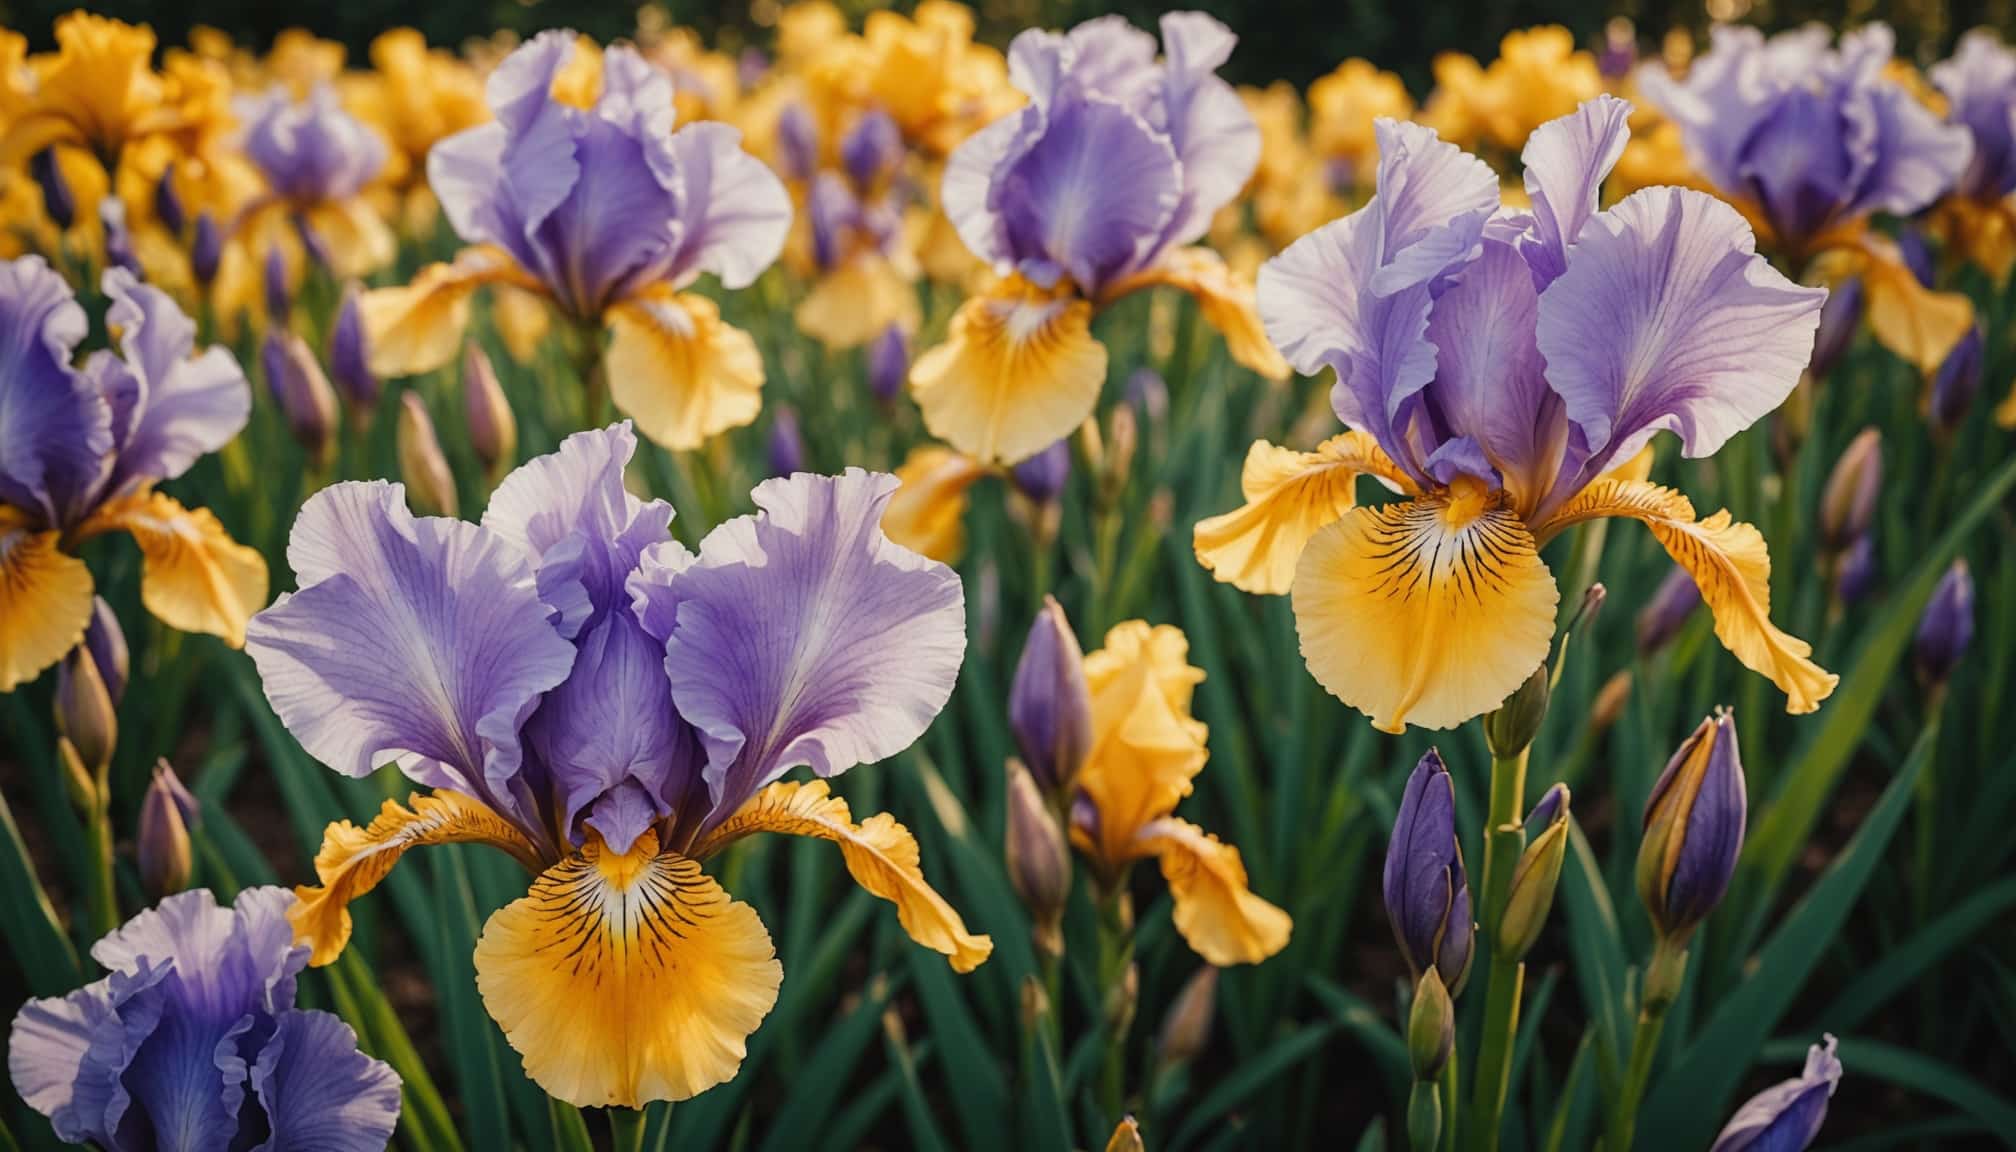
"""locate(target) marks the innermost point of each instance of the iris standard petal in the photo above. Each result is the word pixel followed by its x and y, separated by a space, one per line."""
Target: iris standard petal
pixel 735 213
pixel 1214 136
pixel 1215 909
pixel 184 408
pixel 1566 161
pixel 1092 196
pixel 319 1092
pixel 1979 83
pixel 1785 1117
pixel 58 429
pixel 67 1055
pixel 1918 158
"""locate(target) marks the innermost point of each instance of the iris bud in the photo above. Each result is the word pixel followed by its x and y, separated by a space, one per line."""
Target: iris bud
pixel 279 294
pixel 302 391
pixel 1947 627
pixel 1840 320
pixel 118 237
pixel 1122 438
pixel 871 150
pixel 831 211
pixel 1537 873
pixel 889 364
pixel 77 782
pixel 1042 477
pixel 1848 503
pixel 1049 704
pixel 1786 1117
pixel 493 430
pixel 107 644
pixel 206 249
pixel 1956 383
pixel 58 201
pixel 422 465
pixel 168 203
pixel 1667 612
pixel 786 444
pixel 1187 1028
pixel 85 715
pixel 1431 1026
pixel 1426 890
pixel 1126 1137
pixel 1610 701
pixel 1693 829
pixel 167 813
pixel 1511 728
pixel 1855 576
pixel 1619 54
pixel 797 143
pixel 350 354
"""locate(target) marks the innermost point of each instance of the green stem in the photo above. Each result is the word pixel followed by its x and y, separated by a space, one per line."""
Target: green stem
pixel 1451 1083
pixel 1116 956
pixel 1504 837
pixel 1424 1117
pixel 103 898
pixel 594 378
pixel 1662 983
pixel 570 1129
pixel 626 1129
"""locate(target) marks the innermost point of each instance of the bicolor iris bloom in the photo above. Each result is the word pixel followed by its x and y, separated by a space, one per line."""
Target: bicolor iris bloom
pixel 1786 1117
pixel 1979 84
pixel 1097 188
pixel 81 450
pixel 1809 142
pixel 1146 751
pixel 613 710
pixel 608 214
pixel 193 1041
pixel 1504 371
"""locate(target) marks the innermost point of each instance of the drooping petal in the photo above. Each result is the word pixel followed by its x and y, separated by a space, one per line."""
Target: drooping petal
pixel 184 408
pixel 1918 156
pixel 1019 370
pixel 1226 302
pixel 1916 322
pixel 1668 319
pixel 1289 496
pixel 195 577
pixel 928 512
pixel 627 979
pixel 881 855
pixel 417 327
pixel 1428 612
pixel 353 860
pixel 1566 161
pixel 1216 911
pixel 678 370
pixel 45 602
pixel 735 211
pixel 420 639
pixel 1146 747
pixel 1729 563
pixel 805 637
pixel 319 1093
pixel 858 301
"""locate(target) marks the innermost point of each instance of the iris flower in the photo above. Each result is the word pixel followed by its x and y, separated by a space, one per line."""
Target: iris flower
pixel 194 1042
pixel 1979 84
pixel 1500 370
pixel 613 710
pixel 98 92
pixel 416 97
pixel 81 450
pixel 1094 190
pixel 1539 75
pixel 1809 142
pixel 1146 752
pixel 609 214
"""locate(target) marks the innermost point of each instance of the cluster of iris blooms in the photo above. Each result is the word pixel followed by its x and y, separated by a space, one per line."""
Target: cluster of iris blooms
pixel 613 709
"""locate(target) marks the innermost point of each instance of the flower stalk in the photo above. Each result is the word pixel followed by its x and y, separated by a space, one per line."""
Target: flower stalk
pixel 1504 839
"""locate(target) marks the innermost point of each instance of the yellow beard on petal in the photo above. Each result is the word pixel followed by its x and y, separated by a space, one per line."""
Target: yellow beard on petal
pixel 680 372
pixel 1216 911
pixel 195 577
pixel 623 979
pixel 928 512
pixel 45 602
pixel 1428 612
pixel 1018 371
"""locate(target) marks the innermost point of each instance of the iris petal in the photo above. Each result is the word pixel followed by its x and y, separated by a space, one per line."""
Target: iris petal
pixel 194 577
pixel 45 602
pixel 1216 911
pixel 1018 371
pixel 1290 495
pixel 678 370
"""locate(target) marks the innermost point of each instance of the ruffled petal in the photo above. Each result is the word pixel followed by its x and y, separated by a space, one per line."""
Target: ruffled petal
pixel 418 327
pixel 1566 161
pixel 45 602
pixel 194 576
pixel 353 860
pixel 1092 196
pixel 735 210
pixel 881 855
pixel 678 370
pixel 67 1055
pixel 1019 370
pixel 319 1093
pixel 184 408
pixel 1146 747
pixel 1227 302
pixel 58 428
pixel 858 301
pixel 1915 322
pixel 1730 565
pixel 1289 496
pixel 1428 612
pixel 928 512
pixel 627 979
pixel 1214 136
pixel 1217 913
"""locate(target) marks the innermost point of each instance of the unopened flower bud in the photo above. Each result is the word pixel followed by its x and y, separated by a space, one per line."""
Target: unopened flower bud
pixel 1786 1117
pixel 797 143
pixel 831 212
pixel 1855 575
pixel 85 715
pixel 1187 1027
pixel 279 293
pixel 1619 54
pixel 167 813
pixel 889 364
pixel 1840 320
pixel 1049 704
pixel 350 354
pixel 786 444
pixel 78 783
pixel 1667 612
pixel 493 430
pixel 118 237
pixel 1593 599
pixel 1610 701
pixel 168 203
pixel 1431 1026
pixel 1848 503
pixel 1956 383
pixel 1947 627
pixel 1042 477
pixel 1511 728
pixel 58 201
pixel 206 249
pixel 1126 1137
pixel 871 150
pixel 1122 438
pixel 106 641
pixel 1537 873
pixel 1693 829
pixel 301 390
pixel 1426 890
pixel 422 465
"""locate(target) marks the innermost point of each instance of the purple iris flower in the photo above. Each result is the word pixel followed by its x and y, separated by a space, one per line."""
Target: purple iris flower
pixel 1118 157
pixel 1979 83
pixel 194 1042
pixel 1786 1116
pixel 310 151
pixel 1815 137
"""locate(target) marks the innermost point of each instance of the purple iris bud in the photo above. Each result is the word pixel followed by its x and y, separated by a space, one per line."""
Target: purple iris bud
pixel 187 980
pixel 167 813
pixel 1840 320
pixel 118 237
pixel 1947 628
pixel 751 67
pixel 486 411
pixel 86 714
pixel 279 293
pixel 797 143
pixel 1049 704
pixel 1693 829
pixel 786 444
pixel 1979 83
pixel 1856 575
pixel 871 150
pixel 1916 253
pixel 1786 1116
pixel 302 391
pixel 206 248
pixel 1671 606
pixel 833 213
pixel 889 364
pixel 1956 384
pixel 1547 811
pixel 1148 393
pixel 1619 54
pixel 350 354
pixel 106 641
pixel 1042 477
pixel 57 198
pixel 168 203
pixel 1848 503
pixel 1426 891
